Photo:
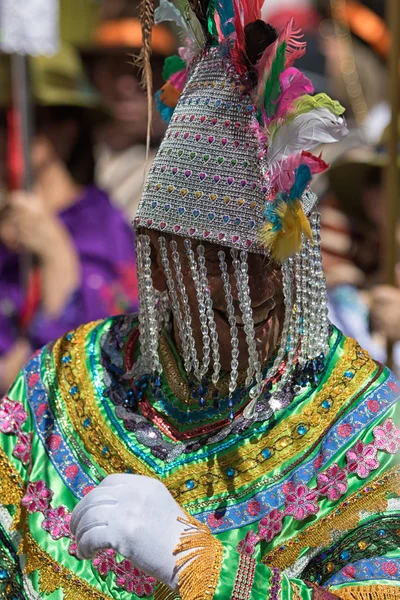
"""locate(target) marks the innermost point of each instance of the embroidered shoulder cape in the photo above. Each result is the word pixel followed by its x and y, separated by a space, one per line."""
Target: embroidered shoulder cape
pixel 301 506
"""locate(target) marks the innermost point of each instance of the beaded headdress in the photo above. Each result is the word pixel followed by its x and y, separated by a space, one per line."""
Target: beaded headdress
pixel 234 169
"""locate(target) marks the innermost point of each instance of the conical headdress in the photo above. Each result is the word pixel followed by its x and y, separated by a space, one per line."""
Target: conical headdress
pixel 234 169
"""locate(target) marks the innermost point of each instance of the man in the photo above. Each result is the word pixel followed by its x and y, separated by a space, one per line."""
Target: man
pixel 120 165
pixel 249 445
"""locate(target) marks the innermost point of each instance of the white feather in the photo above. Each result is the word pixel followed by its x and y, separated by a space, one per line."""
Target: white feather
pixel 305 132
pixel 166 11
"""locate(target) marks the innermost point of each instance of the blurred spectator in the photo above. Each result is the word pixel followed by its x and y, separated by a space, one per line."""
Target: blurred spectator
pixel 353 227
pixel 82 248
pixel 121 151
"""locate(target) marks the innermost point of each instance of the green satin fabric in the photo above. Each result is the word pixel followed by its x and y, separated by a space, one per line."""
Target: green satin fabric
pixel 230 491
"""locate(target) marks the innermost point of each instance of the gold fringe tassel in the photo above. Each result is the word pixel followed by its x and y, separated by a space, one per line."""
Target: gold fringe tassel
pixel 163 592
pixel 346 516
pixel 199 570
pixel 53 576
pixel 369 592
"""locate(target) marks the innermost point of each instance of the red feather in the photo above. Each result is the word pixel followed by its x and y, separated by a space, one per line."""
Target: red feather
pixel 251 10
pixel 239 48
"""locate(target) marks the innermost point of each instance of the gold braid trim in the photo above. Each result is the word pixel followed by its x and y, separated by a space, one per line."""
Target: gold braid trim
pixel 53 576
pixel 345 516
pixel 198 570
pixel 369 592
pixel 163 592
pixel 12 488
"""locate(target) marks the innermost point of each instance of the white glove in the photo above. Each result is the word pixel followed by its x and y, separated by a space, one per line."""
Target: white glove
pixel 137 517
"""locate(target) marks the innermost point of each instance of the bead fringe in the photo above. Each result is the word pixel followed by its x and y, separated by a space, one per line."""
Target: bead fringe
pixel 200 568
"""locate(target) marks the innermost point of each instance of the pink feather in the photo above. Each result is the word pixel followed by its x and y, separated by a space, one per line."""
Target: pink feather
pixel 295 49
pixel 178 80
pixel 284 172
pixel 293 85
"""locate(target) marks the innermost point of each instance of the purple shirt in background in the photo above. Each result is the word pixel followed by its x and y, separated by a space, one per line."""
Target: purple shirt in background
pixel 105 246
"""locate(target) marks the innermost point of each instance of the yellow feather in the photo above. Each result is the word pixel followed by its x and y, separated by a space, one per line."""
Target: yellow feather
pixel 287 241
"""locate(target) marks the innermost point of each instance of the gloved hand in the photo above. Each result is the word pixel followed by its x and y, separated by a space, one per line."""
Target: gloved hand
pixel 137 517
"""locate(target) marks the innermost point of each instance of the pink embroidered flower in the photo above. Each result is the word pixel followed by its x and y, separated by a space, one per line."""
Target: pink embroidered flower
pixel 12 416
pixel 387 437
pixel 318 461
pixel 56 522
pixel 87 489
pixel 301 503
pixel 37 497
pixel 22 449
pixel 41 409
pixel 134 581
pixel 73 549
pixel 361 459
pixel 105 562
pixel 215 520
pixel 345 430
pixel 332 482
pixel 373 406
pixel 349 572
pixel 289 487
pixel 248 544
pixel 390 568
pixel 394 387
pixel 271 525
pixel 71 472
pixel 33 379
pixel 54 441
pixel 253 508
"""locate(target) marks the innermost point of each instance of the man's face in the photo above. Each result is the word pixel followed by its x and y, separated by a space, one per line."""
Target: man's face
pixel 116 79
pixel 265 284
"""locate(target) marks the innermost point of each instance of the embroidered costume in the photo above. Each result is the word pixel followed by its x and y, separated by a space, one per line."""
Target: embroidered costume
pixel 309 495
pixel 286 471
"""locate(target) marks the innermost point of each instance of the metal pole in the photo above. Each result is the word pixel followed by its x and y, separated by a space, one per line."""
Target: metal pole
pixel 22 100
pixel 392 179
pixel 23 103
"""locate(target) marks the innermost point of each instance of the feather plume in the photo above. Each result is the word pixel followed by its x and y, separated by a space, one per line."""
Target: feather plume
pixel 308 103
pixel 286 222
pixel 166 11
pixel 293 85
pixel 285 240
pixel 239 48
pixel 284 173
pixel 295 48
pixel 272 89
pixel 305 132
pixel 226 15
pixel 302 179
pixel 201 10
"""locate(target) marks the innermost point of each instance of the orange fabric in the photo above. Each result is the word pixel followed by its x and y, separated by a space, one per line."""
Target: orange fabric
pixel 128 33
pixel 170 95
pixel 368 26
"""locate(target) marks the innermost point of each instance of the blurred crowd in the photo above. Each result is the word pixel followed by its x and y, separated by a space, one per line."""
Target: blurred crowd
pixel 66 246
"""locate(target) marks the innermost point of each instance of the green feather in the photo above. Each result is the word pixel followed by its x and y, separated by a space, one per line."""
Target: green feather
pixel 212 28
pixel 272 89
pixel 172 65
